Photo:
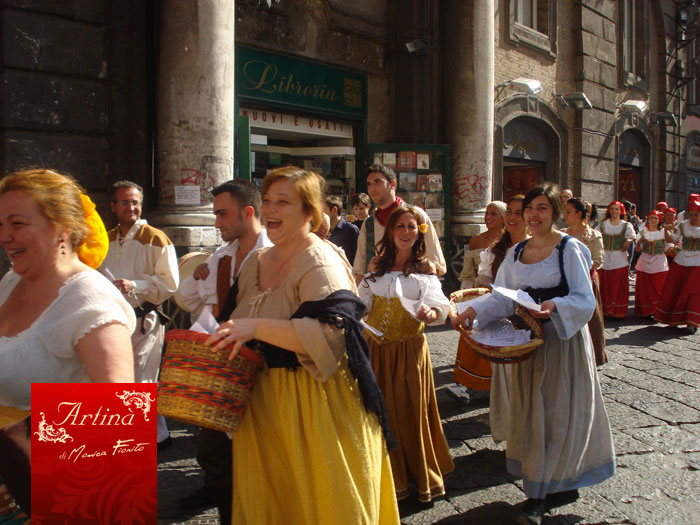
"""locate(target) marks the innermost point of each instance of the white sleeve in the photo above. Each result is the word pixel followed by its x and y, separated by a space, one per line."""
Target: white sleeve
pixel 433 297
pixel 359 265
pixel 159 286
pixel 433 250
pixel 629 231
pixel 575 309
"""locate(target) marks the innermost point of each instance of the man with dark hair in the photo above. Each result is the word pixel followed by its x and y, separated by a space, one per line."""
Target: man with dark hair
pixel 343 233
pixel 142 264
pixel 381 186
pixel 237 209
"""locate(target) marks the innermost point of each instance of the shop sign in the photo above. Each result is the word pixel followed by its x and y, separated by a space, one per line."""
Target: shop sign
pixel 522 140
pixel 693 157
pixel 631 149
pixel 281 121
pixel 295 82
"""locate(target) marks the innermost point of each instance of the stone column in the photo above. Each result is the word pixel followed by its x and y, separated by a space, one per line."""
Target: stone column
pixel 195 120
pixel 470 112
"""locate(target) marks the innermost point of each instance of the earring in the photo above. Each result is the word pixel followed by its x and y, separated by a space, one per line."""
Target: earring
pixel 63 248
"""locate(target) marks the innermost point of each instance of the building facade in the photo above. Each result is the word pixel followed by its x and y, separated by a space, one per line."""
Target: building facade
pixel 167 93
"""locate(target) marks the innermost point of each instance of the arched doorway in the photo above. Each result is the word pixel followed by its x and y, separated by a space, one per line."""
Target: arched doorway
pixel 530 146
pixel 525 155
pixel 633 180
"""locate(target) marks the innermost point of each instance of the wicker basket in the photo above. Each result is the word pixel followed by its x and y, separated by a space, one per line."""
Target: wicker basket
pixel 204 388
pixel 500 354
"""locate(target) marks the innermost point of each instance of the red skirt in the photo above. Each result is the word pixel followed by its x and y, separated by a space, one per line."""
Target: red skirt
pixel 680 300
pixel 647 291
pixel 614 291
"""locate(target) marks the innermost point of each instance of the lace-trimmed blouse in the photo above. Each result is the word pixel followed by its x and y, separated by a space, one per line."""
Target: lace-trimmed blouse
pixel 45 352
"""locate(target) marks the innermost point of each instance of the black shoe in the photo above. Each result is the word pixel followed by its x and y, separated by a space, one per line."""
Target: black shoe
pixel 199 499
pixel 531 512
pixel 166 443
pixel 559 499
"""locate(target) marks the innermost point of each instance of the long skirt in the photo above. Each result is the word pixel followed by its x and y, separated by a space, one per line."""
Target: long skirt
pixel 596 325
pixel 614 291
pixel 680 299
pixel 647 292
pixel 405 375
pixel 471 370
pixel 558 433
pixel 307 451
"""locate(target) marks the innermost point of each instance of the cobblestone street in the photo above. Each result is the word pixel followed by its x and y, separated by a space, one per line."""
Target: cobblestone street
pixel 652 393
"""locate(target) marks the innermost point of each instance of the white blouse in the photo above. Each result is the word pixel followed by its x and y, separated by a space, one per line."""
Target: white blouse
pixel 572 312
pixel 614 259
pixel 685 257
pixel 649 262
pixel 426 289
pixel 45 352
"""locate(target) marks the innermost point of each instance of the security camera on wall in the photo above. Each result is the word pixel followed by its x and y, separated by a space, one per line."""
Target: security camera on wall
pixel 526 85
pixel 634 106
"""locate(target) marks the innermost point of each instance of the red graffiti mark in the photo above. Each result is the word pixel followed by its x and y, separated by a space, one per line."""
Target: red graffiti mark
pixel 471 187
pixel 195 176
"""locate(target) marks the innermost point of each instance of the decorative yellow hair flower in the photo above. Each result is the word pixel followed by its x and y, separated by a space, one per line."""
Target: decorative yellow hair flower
pixel 423 228
pixel 93 249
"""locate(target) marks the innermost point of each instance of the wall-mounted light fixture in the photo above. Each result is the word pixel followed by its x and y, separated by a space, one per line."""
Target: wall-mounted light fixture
pixel 414 47
pixel 573 99
pixel 634 106
pixel 666 118
pixel 528 86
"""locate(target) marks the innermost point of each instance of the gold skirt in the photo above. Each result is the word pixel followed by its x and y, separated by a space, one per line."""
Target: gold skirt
pixel 401 363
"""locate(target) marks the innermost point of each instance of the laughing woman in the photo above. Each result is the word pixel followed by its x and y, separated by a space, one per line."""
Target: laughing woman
pixel 614 274
pixel 558 437
pixel 309 448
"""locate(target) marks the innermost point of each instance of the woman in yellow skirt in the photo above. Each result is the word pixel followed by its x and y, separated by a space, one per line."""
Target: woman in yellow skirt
pixel 310 448
pixel 402 293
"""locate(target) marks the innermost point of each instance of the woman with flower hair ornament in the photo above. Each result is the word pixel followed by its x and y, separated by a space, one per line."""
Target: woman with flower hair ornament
pixel 402 293
pixel 60 320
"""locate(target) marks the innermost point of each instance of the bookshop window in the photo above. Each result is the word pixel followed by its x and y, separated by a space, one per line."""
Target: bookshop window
pixel 635 56
pixel 533 22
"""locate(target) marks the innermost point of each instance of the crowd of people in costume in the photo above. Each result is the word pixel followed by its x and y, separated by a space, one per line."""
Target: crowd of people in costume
pixel 343 423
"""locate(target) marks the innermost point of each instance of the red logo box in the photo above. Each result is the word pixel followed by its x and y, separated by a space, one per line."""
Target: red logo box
pixel 94 453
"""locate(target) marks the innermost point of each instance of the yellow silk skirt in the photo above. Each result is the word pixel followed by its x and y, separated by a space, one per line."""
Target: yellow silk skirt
pixel 307 451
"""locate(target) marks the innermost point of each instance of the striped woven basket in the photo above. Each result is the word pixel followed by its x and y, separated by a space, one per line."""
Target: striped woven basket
pixel 204 388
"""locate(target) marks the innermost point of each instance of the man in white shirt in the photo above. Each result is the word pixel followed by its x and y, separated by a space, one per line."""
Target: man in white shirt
pixel 142 264
pixel 381 187
pixel 237 209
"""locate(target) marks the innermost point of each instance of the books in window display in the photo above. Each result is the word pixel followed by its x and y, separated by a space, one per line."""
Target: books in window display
pixel 423 161
pixel 407 160
pixel 407 180
pixel 435 181
pixel 422 182
pixel 434 200
pixel 389 159
pixel 417 198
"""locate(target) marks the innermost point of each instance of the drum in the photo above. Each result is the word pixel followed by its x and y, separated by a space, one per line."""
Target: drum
pixel 204 388
pixel 186 265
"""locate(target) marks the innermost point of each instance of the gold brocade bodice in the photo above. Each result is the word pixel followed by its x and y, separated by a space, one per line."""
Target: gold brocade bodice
pixel 389 317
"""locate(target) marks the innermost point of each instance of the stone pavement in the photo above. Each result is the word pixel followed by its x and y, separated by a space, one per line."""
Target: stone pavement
pixel 652 394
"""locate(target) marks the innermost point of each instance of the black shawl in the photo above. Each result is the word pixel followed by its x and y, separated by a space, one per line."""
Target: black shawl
pixel 342 309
